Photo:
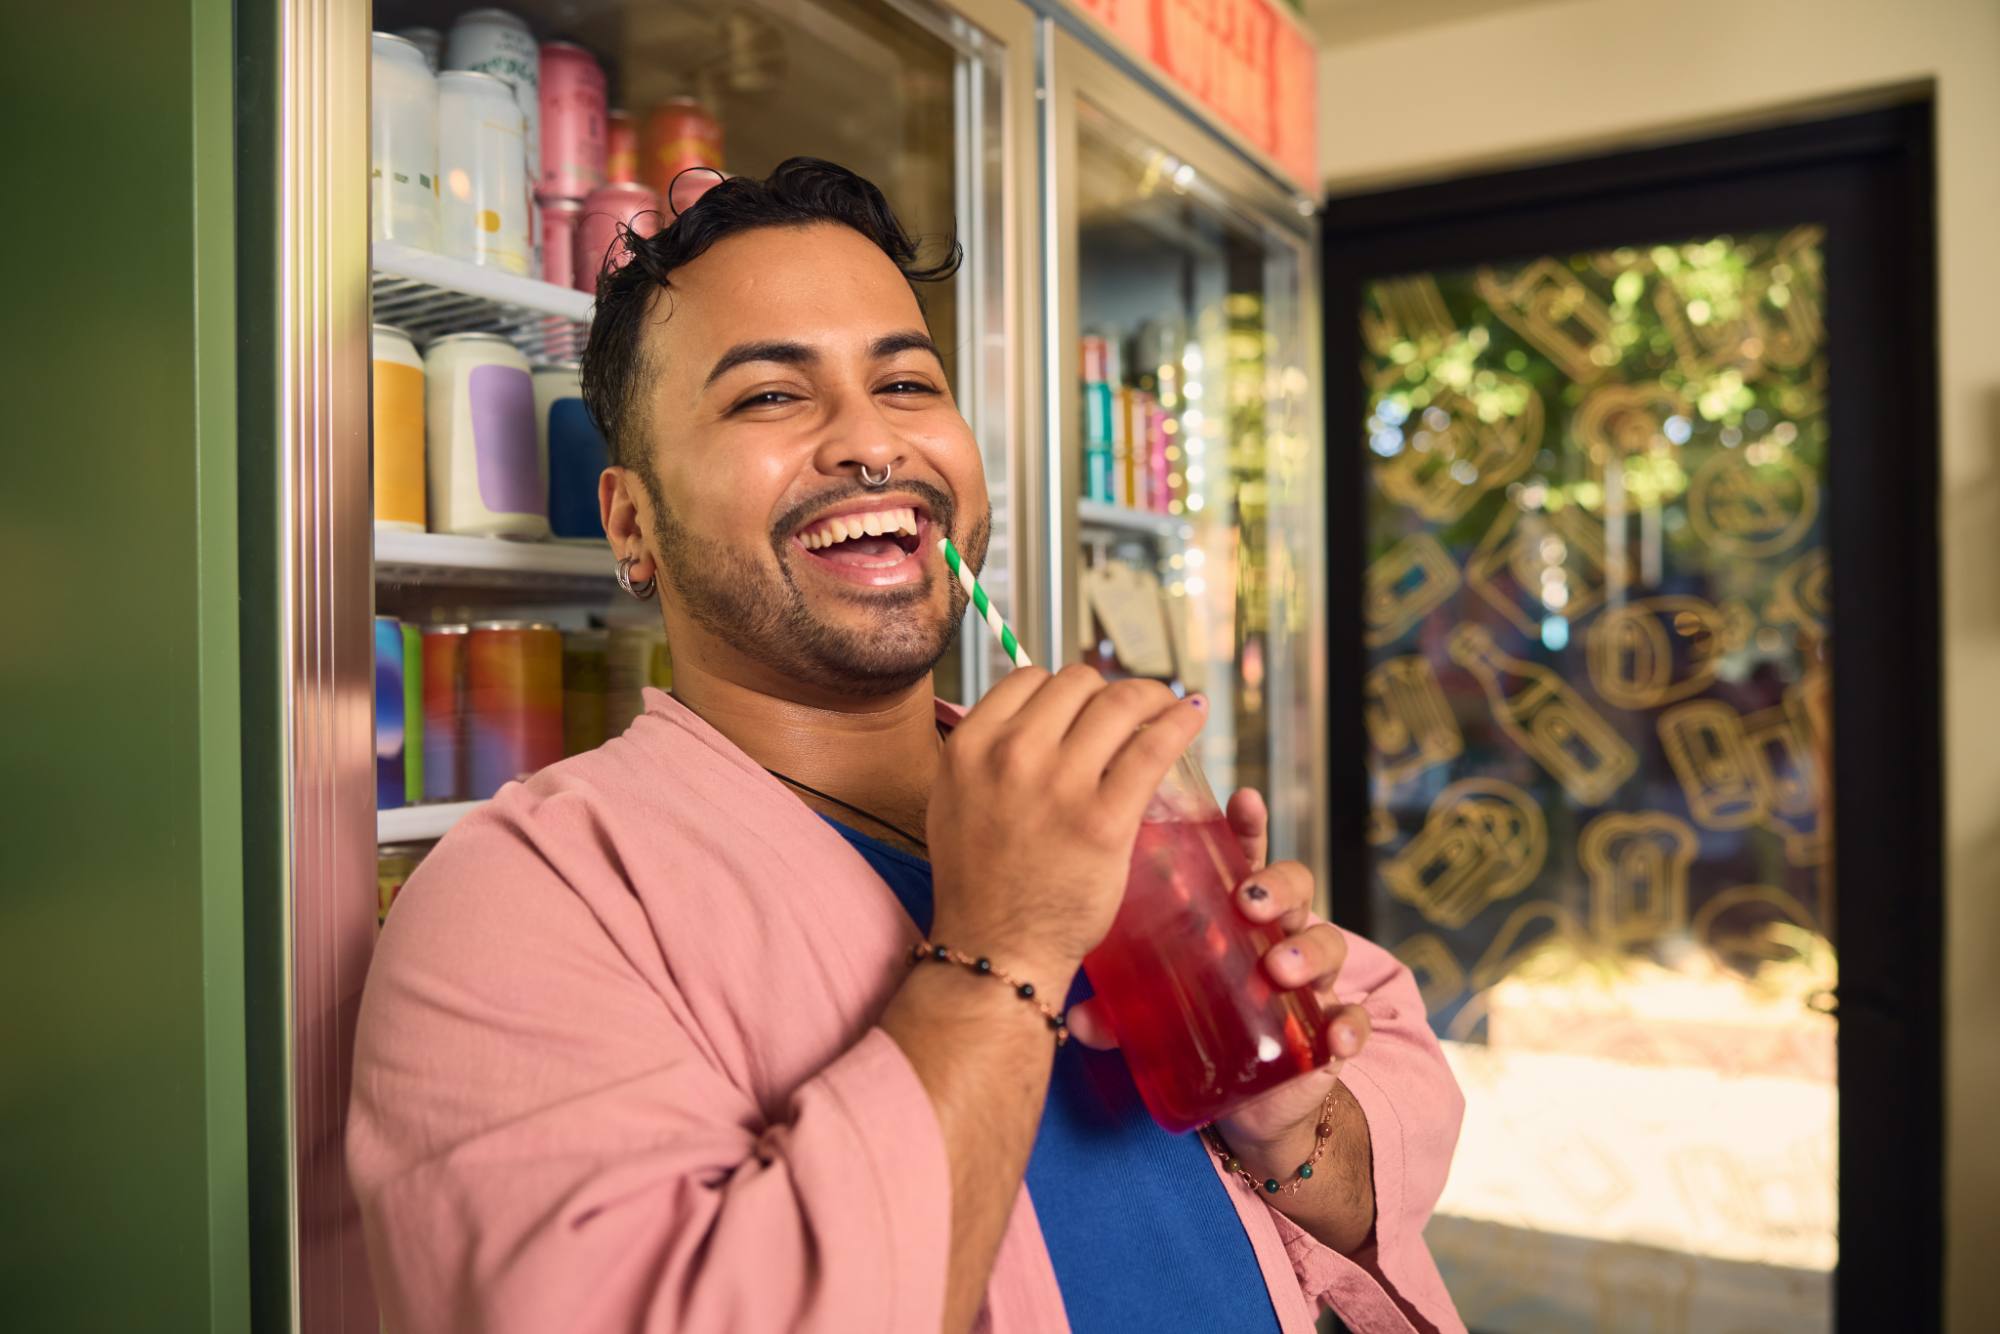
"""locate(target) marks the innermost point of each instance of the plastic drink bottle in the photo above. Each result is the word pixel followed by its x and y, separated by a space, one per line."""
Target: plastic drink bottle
pixel 1203 1027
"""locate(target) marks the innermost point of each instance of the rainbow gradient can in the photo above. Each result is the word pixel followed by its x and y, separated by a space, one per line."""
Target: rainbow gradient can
pixel 444 712
pixel 389 735
pixel 514 702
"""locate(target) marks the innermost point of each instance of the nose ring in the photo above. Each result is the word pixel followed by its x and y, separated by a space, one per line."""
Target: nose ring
pixel 871 481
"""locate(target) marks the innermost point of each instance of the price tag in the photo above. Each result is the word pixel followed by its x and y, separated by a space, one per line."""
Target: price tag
pixel 1130 605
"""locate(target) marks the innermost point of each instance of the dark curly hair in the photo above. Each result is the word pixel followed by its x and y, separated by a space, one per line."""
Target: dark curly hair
pixel 802 191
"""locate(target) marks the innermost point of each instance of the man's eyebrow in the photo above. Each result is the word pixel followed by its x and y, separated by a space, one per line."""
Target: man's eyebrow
pixel 787 354
pixel 908 340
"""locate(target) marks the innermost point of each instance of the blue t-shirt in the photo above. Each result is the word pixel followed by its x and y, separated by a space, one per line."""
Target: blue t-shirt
pixel 1138 1227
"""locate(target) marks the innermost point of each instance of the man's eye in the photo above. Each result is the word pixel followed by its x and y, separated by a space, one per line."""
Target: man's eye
pixel 906 387
pixel 770 398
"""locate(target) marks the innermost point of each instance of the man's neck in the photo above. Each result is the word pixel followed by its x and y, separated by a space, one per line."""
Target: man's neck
pixel 878 754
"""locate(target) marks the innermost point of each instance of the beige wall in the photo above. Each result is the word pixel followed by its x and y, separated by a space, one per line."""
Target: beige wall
pixel 1527 82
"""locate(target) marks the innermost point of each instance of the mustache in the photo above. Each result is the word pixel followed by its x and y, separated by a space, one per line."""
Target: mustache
pixel 943 509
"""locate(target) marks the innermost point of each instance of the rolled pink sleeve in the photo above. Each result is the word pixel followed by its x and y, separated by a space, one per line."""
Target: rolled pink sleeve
pixel 539 1142
pixel 1413 1107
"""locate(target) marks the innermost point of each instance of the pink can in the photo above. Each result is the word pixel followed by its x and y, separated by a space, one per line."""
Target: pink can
pixel 573 107
pixel 608 207
pixel 559 219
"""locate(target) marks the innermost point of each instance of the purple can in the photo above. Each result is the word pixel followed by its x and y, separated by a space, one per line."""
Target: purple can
pixel 390 735
pixel 573 107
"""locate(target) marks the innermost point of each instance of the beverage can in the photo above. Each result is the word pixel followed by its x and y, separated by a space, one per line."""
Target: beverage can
pixel 1180 974
pixel 514 699
pixel 499 43
pixel 559 220
pixel 586 688
pixel 609 208
pixel 575 450
pixel 483 215
pixel 429 41
pixel 388 713
pixel 396 429
pixel 621 147
pixel 403 144
pixel 638 658
pixel 394 865
pixel 572 123
pixel 486 470
pixel 444 712
pixel 678 134
pixel 413 713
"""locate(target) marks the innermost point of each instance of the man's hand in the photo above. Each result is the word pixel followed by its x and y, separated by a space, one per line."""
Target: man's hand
pixel 1276 1133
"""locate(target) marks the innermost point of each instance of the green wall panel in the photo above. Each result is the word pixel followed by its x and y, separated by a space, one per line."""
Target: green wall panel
pixel 122 1141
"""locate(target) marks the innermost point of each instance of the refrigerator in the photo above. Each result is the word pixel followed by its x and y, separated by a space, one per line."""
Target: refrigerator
pixel 1093 197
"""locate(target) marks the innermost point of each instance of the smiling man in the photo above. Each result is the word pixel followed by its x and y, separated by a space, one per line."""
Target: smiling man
pixel 654 1040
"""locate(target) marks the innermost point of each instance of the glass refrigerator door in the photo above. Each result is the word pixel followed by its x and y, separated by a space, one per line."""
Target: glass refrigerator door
pixel 1191 493
pixel 916 96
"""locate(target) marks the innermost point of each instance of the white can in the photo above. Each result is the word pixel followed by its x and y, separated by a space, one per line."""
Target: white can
pixel 402 168
pixel 427 40
pixel 488 476
pixel 493 41
pixel 483 214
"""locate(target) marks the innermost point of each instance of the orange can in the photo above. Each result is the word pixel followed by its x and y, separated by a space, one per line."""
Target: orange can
pixel 621 147
pixel 679 134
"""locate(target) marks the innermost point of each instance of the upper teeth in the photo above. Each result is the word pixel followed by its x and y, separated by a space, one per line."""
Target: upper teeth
pixel 874 524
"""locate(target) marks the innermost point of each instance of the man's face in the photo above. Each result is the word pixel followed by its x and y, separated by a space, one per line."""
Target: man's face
pixel 783 362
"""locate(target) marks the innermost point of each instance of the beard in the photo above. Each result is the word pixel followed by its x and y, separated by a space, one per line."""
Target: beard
pixel 768 619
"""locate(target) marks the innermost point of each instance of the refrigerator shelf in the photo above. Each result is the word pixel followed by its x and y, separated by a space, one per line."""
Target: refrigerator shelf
pixel 1096 517
pixel 428 295
pixel 421 824
pixel 492 562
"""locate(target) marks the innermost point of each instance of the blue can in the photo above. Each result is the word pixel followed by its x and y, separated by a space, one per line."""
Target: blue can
pixel 575 450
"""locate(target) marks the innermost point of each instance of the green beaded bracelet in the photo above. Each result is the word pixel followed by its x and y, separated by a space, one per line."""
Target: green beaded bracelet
pixel 1271 1185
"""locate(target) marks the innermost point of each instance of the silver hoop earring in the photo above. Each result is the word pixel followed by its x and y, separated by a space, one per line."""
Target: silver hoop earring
pixel 642 590
pixel 874 483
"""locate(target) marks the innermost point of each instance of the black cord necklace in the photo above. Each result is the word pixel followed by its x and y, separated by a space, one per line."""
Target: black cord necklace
pixel 848 806
pixel 904 834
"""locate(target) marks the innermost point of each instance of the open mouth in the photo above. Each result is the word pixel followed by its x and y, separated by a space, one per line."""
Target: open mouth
pixel 873 543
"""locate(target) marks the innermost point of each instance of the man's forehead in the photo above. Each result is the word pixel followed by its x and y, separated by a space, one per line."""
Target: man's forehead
pixel 822 283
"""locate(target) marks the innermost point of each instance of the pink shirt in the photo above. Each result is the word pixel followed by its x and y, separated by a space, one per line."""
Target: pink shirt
pixel 617 1068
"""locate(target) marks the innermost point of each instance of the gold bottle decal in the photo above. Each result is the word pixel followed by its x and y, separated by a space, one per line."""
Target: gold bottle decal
pixel 1547 718
pixel 1703 740
pixel 1550 307
pixel 1409 720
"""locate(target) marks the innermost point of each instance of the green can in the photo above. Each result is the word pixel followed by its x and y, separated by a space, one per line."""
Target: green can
pixel 413 711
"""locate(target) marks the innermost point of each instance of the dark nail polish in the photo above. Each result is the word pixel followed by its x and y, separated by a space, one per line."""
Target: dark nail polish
pixel 1256 893
pixel 1199 701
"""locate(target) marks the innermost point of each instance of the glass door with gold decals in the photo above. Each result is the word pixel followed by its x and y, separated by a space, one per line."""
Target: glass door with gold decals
pixel 1602 499
pixel 1186 477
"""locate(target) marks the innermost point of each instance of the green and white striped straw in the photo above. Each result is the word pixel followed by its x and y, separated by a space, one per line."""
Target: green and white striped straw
pixel 994 620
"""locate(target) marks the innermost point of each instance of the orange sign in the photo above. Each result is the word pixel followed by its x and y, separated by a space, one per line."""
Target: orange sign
pixel 1242 60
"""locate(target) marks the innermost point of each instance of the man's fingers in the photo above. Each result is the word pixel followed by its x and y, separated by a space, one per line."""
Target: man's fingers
pixel 1311 958
pixel 1347 1031
pixel 1134 775
pixel 1250 818
pixel 1045 719
pixel 999 705
pixel 1281 893
pixel 1089 1025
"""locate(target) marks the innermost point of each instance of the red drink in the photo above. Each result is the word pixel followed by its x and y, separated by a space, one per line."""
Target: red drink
pixel 1203 1028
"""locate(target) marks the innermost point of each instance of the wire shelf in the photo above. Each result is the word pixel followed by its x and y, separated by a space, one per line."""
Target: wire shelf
pixel 428 296
pixel 565 569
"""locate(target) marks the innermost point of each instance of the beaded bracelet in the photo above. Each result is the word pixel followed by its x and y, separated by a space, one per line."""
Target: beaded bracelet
pixel 924 949
pixel 1271 1185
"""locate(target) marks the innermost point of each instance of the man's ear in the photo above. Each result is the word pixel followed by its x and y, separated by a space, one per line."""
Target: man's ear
pixel 627 512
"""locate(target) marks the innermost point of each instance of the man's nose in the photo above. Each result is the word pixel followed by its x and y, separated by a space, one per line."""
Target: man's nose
pixel 856 436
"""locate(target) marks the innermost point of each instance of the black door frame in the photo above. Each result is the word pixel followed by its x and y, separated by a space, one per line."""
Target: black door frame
pixel 1869 177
